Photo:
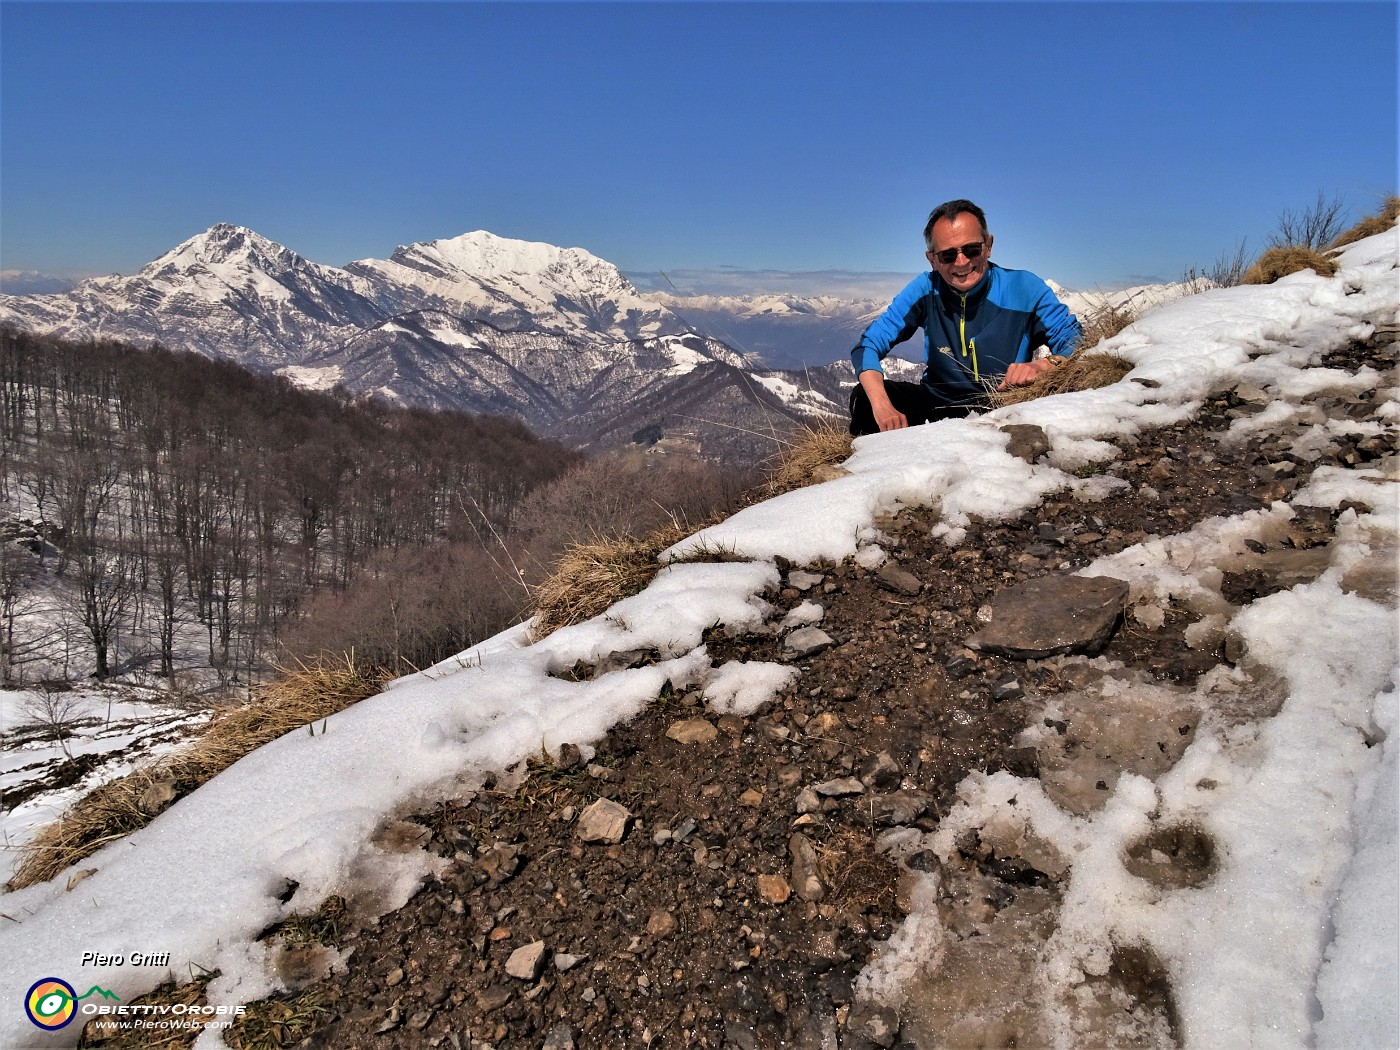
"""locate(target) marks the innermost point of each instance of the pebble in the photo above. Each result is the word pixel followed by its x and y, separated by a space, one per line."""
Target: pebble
pixel 806 641
pixel 604 821
pixel 692 731
pixel 526 962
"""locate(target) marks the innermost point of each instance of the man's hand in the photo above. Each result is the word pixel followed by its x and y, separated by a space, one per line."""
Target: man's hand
pixel 1023 373
pixel 887 417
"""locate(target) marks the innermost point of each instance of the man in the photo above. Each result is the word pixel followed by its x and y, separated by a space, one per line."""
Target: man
pixel 980 322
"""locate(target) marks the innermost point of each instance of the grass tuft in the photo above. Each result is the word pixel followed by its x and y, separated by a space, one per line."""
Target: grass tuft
pixel 300 696
pixel 807 459
pixel 590 577
pixel 1372 224
pixel 1281 261
pixel 1082 370
pixel 270 1024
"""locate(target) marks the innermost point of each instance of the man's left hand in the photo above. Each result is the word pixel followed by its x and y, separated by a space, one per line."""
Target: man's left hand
pixel 1026 372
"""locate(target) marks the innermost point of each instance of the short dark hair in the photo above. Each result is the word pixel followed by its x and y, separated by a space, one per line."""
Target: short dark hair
pixel 950 211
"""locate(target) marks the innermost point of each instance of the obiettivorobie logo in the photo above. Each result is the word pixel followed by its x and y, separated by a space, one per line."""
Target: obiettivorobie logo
pixel 52 1003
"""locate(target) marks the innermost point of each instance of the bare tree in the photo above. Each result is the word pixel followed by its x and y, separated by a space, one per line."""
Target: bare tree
pixel 1313 227
pixel 16 568
pixel 56 709
pixel 105 583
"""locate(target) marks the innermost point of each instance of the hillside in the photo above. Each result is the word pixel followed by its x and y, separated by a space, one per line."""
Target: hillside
pixel 867 799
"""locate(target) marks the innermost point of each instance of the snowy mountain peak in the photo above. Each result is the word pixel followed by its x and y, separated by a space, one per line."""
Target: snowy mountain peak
pixel 224 244
pixel 480 256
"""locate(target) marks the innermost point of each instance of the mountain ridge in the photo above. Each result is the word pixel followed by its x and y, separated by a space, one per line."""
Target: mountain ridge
pixel 475 323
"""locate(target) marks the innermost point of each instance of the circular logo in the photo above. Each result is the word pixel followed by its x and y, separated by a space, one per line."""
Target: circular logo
pixel 51 1003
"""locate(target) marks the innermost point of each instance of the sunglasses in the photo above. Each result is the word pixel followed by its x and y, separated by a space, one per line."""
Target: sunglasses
pixel 950 256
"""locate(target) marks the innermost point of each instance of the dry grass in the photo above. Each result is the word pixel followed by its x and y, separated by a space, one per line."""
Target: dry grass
pixel 1372 224
pixel 801 462
pixel 271 1024
pixel 1082 370
pixel 300 696
pixel 103 1031
pixel 590 577
pixel 1281 261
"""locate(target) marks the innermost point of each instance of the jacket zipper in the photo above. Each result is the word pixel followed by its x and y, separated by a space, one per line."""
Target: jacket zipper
pixel 962 336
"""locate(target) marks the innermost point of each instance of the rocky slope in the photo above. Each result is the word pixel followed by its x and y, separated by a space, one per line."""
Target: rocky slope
pixel 758 864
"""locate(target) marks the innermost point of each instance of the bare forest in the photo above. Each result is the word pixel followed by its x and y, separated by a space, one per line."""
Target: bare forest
pixel 168 516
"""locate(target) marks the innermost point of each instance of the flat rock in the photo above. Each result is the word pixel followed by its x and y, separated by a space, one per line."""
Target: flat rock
pixel 693 731
pixel 799 580
pixel 526 962
pixel 897 808
pixel 806 641
pixel 605 821
pixel 1050 615
pixel 892 578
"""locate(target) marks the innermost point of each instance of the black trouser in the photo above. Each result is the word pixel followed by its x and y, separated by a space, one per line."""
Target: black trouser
pixel 913 399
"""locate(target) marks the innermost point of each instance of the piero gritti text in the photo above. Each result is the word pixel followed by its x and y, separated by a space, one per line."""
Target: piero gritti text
pixel 132 959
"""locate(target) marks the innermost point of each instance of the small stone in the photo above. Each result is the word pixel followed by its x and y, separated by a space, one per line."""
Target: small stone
pixel 560 1037
pixel 603 773
pixel 898 808
pixel 692 731
pixel 840 787
pixel 960 665
pixel 569 759
pixel 661 924
pixel 395 977
pixel 803 581
pixel 808 801
pixel 879 1024
pixel 880 772
pixel 892 578
pixel 604 821
pixel 420 1020
pixel 526 962
pixel 1008 688
pixel 805 879
pixel 805 642
pixel 774 889
pixel 565 961
pixel 683 830
pixel 493 998
pixel 1251 394
pixel 751 798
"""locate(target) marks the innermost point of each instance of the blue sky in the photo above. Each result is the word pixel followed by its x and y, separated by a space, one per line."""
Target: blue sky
pixel 1110 143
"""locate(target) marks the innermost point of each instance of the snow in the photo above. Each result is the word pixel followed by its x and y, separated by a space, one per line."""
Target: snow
pixel 131 733
pixel 1291 944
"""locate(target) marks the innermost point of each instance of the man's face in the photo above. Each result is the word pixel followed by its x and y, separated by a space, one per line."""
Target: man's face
pixel 962 273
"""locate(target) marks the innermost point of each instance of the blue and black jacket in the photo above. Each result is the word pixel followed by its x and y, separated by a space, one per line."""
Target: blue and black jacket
pixel 971 338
